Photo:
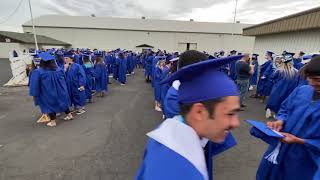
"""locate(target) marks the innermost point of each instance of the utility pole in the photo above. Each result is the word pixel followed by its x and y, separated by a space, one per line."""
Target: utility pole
pixel 234 17
pixel 33 28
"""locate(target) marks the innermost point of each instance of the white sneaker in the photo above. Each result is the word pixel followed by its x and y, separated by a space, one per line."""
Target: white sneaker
pixel 80 111
pixel 52 123
pixel 68 118
pixel 268 113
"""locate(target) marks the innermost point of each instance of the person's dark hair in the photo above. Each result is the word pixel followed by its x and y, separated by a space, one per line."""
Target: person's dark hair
pixel 121 56
pixel 48 65
pixel 86 59
pixel 209 105
pixel 191 57
pixel 59 59
pixel 99 60
pixel 174 67
pixel 313 67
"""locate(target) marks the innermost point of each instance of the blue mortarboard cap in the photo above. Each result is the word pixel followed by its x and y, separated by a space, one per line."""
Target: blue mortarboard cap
pixel 199 81
pixel 51 51
pixel 290 53
pixel 60 53
pixel 287 57
pixel 68 54
pixel 45 56
pixel 233 52
pixel 270 53
pixel 264 128
pixel 255 55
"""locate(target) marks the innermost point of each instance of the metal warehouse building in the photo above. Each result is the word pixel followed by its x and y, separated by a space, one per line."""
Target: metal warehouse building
pixel 294 33
pixel 111 33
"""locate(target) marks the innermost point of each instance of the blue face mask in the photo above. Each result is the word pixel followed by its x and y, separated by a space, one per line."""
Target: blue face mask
pixel 88 65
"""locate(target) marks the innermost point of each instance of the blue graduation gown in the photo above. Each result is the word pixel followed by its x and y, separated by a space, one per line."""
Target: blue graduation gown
pixel 50 90
pixel 170 103
pixel 281 89
pixel 78 59
pixel 261 82
pixel 148 66
pixel 76 77
pixel 267 82
pixel 130 63
pixel 166 86
pixel 101 77
pixel 301 118
pixel 122 70
pixel 254 77
pixel 301 81
pixel 161 162
pixel 115 69
pixel 90 74
pixel 233 73
pixel 157 77
pixel 297 63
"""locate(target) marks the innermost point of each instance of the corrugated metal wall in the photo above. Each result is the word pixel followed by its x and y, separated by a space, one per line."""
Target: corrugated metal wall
pixel 307 41
pixel 297 22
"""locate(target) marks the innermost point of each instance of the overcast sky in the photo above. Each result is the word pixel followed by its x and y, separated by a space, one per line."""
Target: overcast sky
pixel 249 11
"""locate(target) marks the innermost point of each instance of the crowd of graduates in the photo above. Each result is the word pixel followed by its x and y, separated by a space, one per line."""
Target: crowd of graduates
pixel 199 96
pixel 65 80
pixel 275 78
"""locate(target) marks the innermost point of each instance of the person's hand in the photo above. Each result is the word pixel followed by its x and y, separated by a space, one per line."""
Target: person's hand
pixel 275 125
pixel 66 65
pixel 291 139
pixel 263 77
pixel 81 88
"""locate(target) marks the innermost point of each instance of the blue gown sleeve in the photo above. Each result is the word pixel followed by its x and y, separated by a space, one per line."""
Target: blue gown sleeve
pixel 34 88
pixel 82 76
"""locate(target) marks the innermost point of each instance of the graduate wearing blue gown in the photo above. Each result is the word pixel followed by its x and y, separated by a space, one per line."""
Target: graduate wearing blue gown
pixel 263 68
pixel 174 150
pixel 165 87
pixel 297 62
pixel 148 66
pixel 232 66
pixel 49 89
pixel 60 59
pixel 300 115
pixel 90 75
pixel 121 62
pixel 100 70
pixel 76 82
pixel 254 78
pixel 170 103
pixel 285 81
pixel 157 77
pixel 115 69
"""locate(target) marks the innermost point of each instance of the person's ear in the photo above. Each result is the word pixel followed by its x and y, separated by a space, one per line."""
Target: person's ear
pixel 198 111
